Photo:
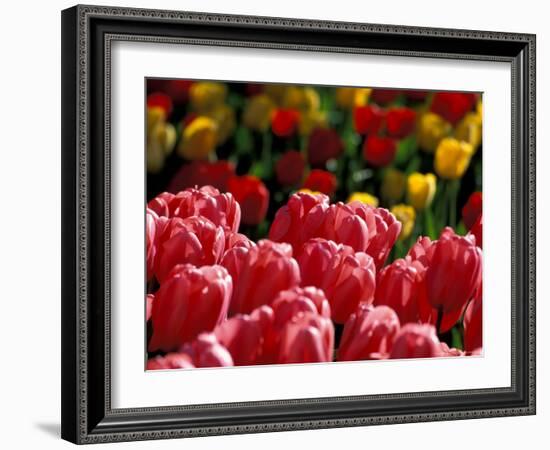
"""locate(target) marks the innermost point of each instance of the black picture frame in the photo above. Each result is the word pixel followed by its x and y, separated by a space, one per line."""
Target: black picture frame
pixel 87 33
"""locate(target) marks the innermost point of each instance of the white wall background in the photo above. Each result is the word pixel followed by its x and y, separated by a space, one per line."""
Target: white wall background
pixel 30 222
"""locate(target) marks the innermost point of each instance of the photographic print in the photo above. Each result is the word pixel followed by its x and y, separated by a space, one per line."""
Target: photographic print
pixel 311 224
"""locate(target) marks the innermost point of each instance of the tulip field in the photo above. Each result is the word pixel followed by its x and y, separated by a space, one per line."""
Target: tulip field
pixel 311 224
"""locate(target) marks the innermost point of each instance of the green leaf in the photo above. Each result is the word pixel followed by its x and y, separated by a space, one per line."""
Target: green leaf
pixel 243 140
pixel 406 148
pixel 456 338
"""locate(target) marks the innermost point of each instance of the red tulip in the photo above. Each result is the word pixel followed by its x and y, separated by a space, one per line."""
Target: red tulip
pixel 284 122
pixel 347 277
pixel 149 299
pixel 452 106
pixel 473 323
pixel 379 151
pixel 170 361
pixel 416 95
pixel 208 202
pixel 259 273
pixel 400 122
pixel 286 306
pixel 323 144
pixel 472 209
pixel 368 119
pixel 150 237
pixel 384 96
pixel 401 286
pixel 242 335
pixel 190 300
pixel 307 338
pixel 194 240
pixel 387 232
pixel 206 351
pixel 160 100
pixel 320 181
pixel 477 231
pixel 202 173
pixel 252 195
pixel 299 220
pixel 178 90
pixel 454 272
pixel 161 204
pixel 416 341
pixel 368 333
pixel 290 168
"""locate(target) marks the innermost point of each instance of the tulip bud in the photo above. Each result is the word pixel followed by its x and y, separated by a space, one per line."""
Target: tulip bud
pixel 321 181
pixel 368 333
pixel 198 139
pixel 190 300
pixel 307 338
pixel 401 286
pixel 407 216
pixel 431 130
pixel 208 202
pixel 290 168
pixel 421 190
pixel 452 158
pixel 452 106
pixel 299 220
pixel 368 119
pixel 400 122
pixel 348 277
pixel 469 129
pixel 206 95
pixel 207 351
pixel 323 144
pixel 363 197
pixel 259 273
pixel 416 341
pixel 252 196
pixel 393 185
pixel 194 240
pixel 284 122
pixel 257 113
pixel 379 151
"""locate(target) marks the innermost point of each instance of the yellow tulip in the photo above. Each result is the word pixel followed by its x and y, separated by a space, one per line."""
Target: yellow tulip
pixel 348 97
pixel 198 138
pixel 393 185
pixel 160 143
pixel 421 190
pixel 452 158
pixel 469 129
pixel 406 215
pixel 293 98
pixel 310 120
pixel 205 95
pixel 479 108
pixel 312 101
pixel 431 129
pixel 363 197
pixel 224 116
pixel 257 113
pixel 155 115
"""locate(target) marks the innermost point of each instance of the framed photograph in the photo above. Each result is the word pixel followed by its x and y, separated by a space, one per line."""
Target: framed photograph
pixel 281 224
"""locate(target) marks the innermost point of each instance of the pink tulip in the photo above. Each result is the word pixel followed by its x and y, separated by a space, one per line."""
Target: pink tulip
pixel 286 306
pixel 307 338
pixel 473 323
pixel 243 335
pixel 259 273
pixel 368 333
pixel 194 240
pixel 170 361
pixel 150 239
pixel 352 224
pixel 387 232
pixel 401 286
pixel 299 220
pixel 233 239
pixel 161 204
pixel 207 351
pixel 446 351
pixel 454 272
pixel 416 341
pixel 189 301
pixel 347 277
pixel 208 202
